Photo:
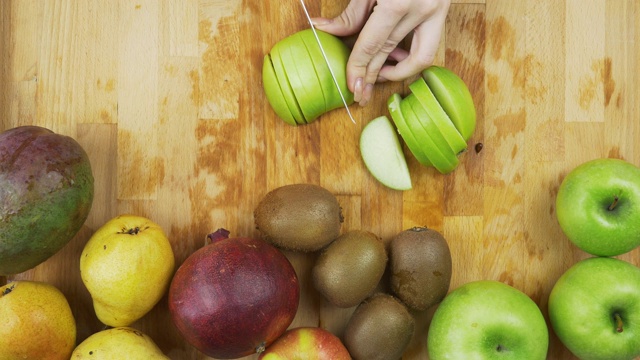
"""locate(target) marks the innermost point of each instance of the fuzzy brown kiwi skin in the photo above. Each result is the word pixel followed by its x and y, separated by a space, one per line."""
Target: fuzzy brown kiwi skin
pixel 299 217
pixel 421 266
pixel 380 328
pixel 349 269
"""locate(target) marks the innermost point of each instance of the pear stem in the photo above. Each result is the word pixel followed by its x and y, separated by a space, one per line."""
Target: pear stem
pixel 618 320
pixel 614 203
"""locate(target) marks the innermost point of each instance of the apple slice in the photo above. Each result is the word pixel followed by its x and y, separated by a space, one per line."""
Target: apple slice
pixel 411 105
pixel 443 162
pixel 382 154
pixel 302 77
pixel 454 97
pixel 287 91
pixel 393 104
pixel 434 111
pixel 273 91
pixel 338 55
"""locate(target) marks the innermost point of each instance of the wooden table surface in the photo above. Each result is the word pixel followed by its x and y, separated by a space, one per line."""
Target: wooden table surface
pixel 167 99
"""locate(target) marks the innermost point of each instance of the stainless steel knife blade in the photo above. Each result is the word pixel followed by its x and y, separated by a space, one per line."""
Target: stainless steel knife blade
pixel 326 60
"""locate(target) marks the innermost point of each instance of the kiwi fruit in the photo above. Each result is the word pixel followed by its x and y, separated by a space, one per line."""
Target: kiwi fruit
pixel 380 328
pixel 299 217
pixel 420 263
pixel 349 269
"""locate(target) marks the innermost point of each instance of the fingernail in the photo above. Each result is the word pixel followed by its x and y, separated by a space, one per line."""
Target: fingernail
pixel 357 90
pixel 366 94
pixel 321 21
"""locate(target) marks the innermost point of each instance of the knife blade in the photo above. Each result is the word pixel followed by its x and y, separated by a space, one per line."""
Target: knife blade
pixel 326 60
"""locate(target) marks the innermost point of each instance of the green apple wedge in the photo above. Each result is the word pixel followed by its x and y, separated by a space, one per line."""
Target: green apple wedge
pixel 338 55
pixel 454 97
pixel 287 91
pixel 393 104
pixel 382 154
pixel 433 112
pixel 302 77
pixel 274 93
pixel 432 143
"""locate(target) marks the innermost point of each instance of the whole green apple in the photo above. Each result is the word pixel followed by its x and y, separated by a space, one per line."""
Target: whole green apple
pixel 487 319
pixel 594 308
pixel 598 207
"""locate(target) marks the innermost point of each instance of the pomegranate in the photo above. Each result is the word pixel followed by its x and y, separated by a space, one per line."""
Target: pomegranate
pixel 234 297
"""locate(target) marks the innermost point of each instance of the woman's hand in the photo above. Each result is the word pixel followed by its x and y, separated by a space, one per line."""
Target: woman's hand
pixel 383 24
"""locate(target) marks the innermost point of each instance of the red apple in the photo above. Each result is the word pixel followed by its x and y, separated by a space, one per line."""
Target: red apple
pixel 310 343
pixel 234 297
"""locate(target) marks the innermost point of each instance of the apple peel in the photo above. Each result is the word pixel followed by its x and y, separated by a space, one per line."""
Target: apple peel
pixel 275 96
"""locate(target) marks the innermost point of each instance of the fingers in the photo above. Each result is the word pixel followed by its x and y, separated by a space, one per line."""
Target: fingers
pixel 424 47
pixel 349 22
pixel 378 38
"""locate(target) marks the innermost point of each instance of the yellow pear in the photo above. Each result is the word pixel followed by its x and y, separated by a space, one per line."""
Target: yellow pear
pixel 127 267
pixel 36 322
pixel 118 343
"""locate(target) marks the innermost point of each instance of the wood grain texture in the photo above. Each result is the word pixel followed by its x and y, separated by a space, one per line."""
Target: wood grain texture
pixel 166 97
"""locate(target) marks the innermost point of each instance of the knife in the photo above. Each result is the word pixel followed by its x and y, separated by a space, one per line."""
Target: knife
pixel 326 60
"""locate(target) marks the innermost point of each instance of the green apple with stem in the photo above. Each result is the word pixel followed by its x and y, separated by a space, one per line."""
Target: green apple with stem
pixel 598 206
pixel 382 154
pixel 594 309
pixel 487 319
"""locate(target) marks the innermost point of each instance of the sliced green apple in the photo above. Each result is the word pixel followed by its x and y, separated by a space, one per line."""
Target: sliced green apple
pixel 273 91
pixel 393 104
pixel 338 55
pixel 454 97
pixel 287 91
pixel 443 162
pixel 438 116
pixel 382 154
pixel 302 77
pixel 426 125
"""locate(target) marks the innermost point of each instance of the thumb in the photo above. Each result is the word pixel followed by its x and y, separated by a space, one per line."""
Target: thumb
pixel 349 22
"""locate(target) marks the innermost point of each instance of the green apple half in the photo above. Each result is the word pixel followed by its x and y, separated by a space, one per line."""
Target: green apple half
pixel 594 308
pixel 297 81
pixel 440 115
pixel 598 207
pixel 487 319
pixel 382 154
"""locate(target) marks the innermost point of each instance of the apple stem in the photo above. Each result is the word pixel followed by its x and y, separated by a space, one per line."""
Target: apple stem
pixel 261 348
pixel 618 320
pixel 614 203
pixel 218 235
